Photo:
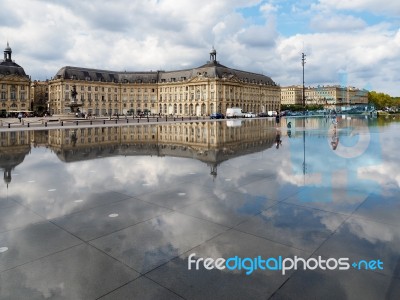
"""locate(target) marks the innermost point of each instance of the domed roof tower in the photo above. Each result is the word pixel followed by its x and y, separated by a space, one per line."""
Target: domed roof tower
pixel 9 67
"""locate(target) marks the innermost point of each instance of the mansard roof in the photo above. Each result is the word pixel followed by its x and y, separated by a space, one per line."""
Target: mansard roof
pixel 212 69
pixel 105 75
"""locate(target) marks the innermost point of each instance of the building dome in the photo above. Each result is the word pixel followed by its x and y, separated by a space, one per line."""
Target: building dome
pixel 9 67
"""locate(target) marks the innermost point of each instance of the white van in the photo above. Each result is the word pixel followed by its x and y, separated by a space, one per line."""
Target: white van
pixel 233 123
pixel 234 112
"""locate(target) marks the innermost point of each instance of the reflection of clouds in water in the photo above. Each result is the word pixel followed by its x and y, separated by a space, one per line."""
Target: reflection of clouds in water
pixel 374 232
pixel 58 273
pixel 330 221
pixel 270 213
pixel 130 170
pixel 386 174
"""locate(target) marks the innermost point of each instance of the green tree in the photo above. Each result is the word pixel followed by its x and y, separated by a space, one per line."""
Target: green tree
pixel 380 100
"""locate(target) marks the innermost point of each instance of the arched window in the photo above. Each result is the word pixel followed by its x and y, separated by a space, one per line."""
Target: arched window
pixel 203 109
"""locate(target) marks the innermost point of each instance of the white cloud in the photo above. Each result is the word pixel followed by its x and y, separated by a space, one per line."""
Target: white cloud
pixel 268 8
pixel 367 57
pixel 373 6
pixel 336 23
pixel 173 34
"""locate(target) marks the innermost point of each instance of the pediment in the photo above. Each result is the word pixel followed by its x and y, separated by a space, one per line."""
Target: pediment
pixel 198 78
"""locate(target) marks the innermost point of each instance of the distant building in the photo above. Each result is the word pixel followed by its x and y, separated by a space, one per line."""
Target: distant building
pixel 39 96
pixel 14 86
pixel 200 91
pixel 291 95
pixel 328 96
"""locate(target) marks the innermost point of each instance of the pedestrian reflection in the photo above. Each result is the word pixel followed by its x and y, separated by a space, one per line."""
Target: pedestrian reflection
pixel 278 141
pixel 335 137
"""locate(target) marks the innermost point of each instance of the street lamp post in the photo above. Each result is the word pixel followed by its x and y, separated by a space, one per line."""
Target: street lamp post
pixel 303 61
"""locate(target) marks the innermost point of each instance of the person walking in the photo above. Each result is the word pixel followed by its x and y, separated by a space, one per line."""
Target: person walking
pixel 277 118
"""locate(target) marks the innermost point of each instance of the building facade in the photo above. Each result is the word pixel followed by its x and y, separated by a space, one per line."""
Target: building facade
pixel 200 91
pixel 331 96
pixel 328 96
pixel 39 96
pixel 291 95
pixel 14 86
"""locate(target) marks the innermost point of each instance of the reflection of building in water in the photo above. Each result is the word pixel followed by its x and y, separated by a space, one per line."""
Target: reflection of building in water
pixel 40 138
pixel 320 126
pixel 14 147
pixel 210 142
pixel 206 89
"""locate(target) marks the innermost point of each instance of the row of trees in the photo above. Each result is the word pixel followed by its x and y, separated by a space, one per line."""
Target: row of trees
pixel 383 101
pixel 299 107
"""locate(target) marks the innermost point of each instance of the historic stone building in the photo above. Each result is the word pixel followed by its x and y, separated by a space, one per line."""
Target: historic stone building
pixel 328 96
pixel 291 95
pixel 39 96
pixel 200 91
pixel 14 86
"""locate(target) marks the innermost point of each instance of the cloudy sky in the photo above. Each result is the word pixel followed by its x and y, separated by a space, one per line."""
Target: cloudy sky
pixel 353 43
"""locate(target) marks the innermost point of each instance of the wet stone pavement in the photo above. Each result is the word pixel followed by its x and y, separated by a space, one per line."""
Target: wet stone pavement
pixel 122 218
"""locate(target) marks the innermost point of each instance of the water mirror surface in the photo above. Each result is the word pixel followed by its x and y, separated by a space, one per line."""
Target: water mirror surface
pixel 111 211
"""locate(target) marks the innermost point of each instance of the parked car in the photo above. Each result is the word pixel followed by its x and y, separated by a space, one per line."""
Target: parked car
pixel 263 114
pixel 217 116
pixel 250 115
pixel 234 112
